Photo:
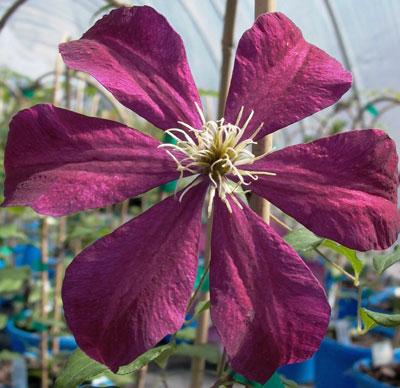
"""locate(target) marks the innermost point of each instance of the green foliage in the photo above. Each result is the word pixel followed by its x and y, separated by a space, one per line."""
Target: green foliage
pixel 337 126
pixel 164 356
pixel 368 322
pixel 11 231
pixel 349 254
pixel 3 321
pixel 146 358
pixel 186 334
pixel 79 368
pixel 208 93
pixel 201 306
pixel 382 262
pixel 82 368
pixel 209 352
pixel 12 280
pixel 387 320
pixel 302 240
pixel 6 355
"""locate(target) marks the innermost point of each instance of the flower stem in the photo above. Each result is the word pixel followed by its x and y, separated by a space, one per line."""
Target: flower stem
pixel 198 363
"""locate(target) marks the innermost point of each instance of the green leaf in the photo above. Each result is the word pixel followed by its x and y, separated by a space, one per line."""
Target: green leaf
pixel 208 92
pixel 383 262
pixel 209 352
pixel 6 355
pixel 368 322
pixel 3 321
pixel 349 254
pixel 11 231
pixel 162 359
pixel 302 240
pixel 200 307
pixel 145 358
pixel 12 280
pixel 186 334
pixel 388 320
pixel 79 368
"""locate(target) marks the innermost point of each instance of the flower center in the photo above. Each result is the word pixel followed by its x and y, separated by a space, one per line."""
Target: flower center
pixel 216 151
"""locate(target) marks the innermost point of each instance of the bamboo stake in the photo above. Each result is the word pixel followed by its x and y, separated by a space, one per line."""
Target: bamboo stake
pixel 124 211
pixel 198 364
pixel 58 283
pixel 141 377
pixel 44 361
pixel 226 70
pixel 227 47
pixel 59 268
pixel 258 204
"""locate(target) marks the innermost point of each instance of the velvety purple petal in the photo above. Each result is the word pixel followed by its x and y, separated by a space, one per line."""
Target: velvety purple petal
pixel 141 60
pixel 267 306
pixel 60 162
pixel 342 187
pixel 128 290
pixel 282 77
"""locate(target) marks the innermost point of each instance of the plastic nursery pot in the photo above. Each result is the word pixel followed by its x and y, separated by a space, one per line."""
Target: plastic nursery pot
pixel 22 340
pixel 364 380
pixel 301 372
pixel 334 360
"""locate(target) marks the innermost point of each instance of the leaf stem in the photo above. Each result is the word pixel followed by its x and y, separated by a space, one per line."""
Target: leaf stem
pixel 359 300
pixel 338 267
pixel 221 364
pixel 332 263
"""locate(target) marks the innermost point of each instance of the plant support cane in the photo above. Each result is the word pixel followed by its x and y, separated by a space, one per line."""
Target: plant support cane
pixel 44 361
pixel 264 145
pixel 59 270
pixel 198 364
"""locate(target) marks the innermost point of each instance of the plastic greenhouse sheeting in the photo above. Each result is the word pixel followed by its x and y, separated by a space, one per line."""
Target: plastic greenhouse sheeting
pixel 369 31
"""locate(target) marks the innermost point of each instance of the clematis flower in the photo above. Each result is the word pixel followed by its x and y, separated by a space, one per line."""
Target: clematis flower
pixel 129 289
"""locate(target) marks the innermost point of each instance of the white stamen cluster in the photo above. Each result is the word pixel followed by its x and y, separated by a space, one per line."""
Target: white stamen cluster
pixel 216 151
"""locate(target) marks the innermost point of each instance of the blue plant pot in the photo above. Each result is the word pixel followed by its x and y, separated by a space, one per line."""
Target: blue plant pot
pixel 301 372
pixel 365 381
pixel 22 340
pixel 334 360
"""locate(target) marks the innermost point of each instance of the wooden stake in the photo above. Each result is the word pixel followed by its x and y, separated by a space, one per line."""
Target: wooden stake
pixel 141 377
pixel 62 225
pixel 124 211
pixel 227 48
pixel 44 362
pixel 198 364
pixel 58 284
pixel 258 204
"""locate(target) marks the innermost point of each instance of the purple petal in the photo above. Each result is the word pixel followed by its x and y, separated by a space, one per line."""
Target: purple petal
pixel 267 306
pixel 282 77
pixel 60 162
pixel 342 187
pixel 141 60
pixel 128 290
